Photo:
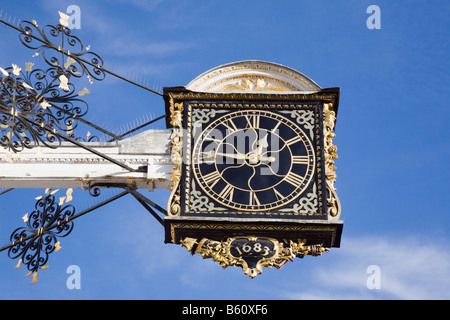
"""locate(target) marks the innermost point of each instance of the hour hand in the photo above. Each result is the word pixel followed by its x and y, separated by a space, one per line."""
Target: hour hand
pixel 268 159
pixel 261 144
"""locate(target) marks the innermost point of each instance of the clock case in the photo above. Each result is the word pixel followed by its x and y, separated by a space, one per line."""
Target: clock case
pixel 305 217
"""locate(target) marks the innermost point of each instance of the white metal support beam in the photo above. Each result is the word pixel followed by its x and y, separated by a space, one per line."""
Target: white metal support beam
pixel 70 166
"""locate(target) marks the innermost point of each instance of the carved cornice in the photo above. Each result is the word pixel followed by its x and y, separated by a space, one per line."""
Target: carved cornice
pixel 173 95
pixel 321 95
pixel 320 231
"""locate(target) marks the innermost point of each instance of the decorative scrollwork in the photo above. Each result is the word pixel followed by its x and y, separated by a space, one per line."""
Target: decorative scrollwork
pixel 34 243
pixel 330 149
pixel 176 116
pixel 250 252
pixel 333 203
pixel 307 205
pixel 304 118
pixel 197 202
pixel 34 106
pixel 38 106
pixel 70 51
pixel 94 191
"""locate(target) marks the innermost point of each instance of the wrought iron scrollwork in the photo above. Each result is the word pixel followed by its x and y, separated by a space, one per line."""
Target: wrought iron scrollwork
pixel 69 52
pixel 34 106
pixel 41 107
pixel 50 221
pixel 33 244
pixel 94 191
pixel 38 102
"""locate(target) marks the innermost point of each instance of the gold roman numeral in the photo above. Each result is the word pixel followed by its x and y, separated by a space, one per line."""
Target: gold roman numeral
pixel 253 199
pixel 294 140
pixel 278 194
pixel 300 159
pixel 227 192
pixel 212 178
pixel 253 121
pixel 230 125
pixel 294 179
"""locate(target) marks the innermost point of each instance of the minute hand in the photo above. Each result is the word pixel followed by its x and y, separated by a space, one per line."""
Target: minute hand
pixel 238 156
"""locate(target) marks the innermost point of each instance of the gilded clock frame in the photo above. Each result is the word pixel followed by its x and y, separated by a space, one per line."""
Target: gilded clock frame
pixel 179 104
pixel 283 212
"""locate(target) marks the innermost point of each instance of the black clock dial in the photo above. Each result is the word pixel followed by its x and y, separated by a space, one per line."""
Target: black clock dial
pixel 253 160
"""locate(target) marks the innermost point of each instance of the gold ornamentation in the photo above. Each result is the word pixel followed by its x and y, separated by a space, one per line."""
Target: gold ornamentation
pixel 176 109
pixel 197 202
pixel 203 115
pixel 176 120
pixel 252 85
pixel 334 205
pixel 329 119
pixel 304 118
pixel 307 205
pixel 326 97
pixel 216 78
pixel 250 252
pixel 63 19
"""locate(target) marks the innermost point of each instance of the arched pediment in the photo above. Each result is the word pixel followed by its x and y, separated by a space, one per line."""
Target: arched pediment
pixel 252 75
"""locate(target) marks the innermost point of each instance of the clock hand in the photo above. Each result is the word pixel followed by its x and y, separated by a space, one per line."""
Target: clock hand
pixel 269 159
pixel 256 155
pixel 262 143
pixel 208 154
pixel 238 156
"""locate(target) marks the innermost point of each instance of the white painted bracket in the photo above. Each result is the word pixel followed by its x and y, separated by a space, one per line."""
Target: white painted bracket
pixel 70 166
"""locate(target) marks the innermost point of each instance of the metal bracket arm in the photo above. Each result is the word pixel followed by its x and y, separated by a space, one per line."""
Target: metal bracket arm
pixel 71 166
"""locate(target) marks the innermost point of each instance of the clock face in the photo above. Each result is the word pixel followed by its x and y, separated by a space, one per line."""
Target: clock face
pixel 252 160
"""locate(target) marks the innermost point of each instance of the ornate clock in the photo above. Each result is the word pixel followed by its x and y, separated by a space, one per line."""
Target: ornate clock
pixel 253 160
pixel 253 176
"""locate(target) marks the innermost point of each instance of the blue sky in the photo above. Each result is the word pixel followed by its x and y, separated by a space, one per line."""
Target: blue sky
pixel 391 135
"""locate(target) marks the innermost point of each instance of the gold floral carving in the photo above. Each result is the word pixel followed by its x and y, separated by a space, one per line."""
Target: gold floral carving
pixel 334 205
pixel 176 110
pixel 329 119
pixel 281 252
pixel 252 85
